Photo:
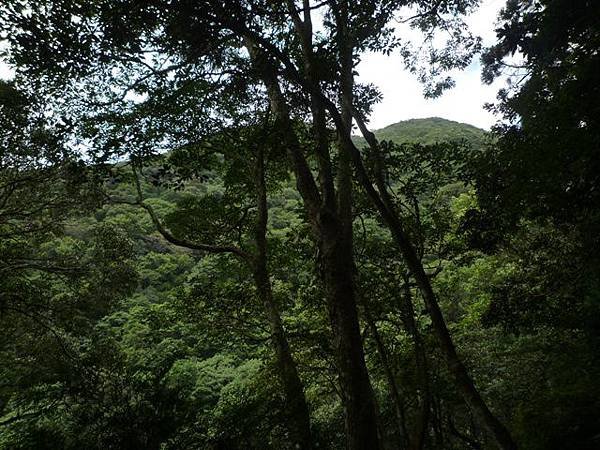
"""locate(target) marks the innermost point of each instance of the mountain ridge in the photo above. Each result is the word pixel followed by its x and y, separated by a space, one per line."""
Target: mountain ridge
pixel 428 131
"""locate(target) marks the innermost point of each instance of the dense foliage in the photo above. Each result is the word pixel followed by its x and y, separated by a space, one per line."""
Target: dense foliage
pixel 429 131
pixel 196 253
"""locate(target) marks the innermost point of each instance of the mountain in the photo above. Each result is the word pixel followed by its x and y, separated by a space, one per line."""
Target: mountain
pixel 428 131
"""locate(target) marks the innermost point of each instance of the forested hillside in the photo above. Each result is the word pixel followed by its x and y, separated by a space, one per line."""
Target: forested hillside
pixel 203 245
pixel 428 131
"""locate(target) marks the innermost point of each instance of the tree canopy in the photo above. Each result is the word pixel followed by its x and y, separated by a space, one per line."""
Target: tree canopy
pixel 203 245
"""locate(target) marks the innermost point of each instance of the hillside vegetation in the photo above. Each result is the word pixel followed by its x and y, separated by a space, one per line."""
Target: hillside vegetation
pixel 428 131
pixel 196 253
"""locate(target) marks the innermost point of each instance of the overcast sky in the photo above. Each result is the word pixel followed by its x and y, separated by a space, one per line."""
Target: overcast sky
pixel 5 73
pixel 403 95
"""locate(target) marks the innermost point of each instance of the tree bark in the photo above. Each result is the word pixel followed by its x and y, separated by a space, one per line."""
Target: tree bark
pixel 359 402
pixel 337 266
pixel 382 202
pixel 295 401
pixel 380 199
pixel 345 213
pixel 389 374
pixel 417 438
pixel 456 367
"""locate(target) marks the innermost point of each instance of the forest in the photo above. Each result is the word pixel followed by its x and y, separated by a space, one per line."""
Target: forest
pixel 205 245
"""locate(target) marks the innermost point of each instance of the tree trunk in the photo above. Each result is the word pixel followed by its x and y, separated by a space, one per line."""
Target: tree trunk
pixel 417 439
pixel 382 202
pixel 359 403
pixel 456 367
pixel 337 267
pixel 298 417
pixel 368 416
pixel 295 402
pixel 389 374
pixel 296 407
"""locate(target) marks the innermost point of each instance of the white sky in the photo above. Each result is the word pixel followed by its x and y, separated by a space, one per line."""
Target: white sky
pixel 403 95
pixel 5 72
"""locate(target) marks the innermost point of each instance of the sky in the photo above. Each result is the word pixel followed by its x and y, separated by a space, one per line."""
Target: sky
pixel 403 95
pixel 5 72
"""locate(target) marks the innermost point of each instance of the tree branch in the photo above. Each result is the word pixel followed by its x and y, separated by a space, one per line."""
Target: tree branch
pixel 210 248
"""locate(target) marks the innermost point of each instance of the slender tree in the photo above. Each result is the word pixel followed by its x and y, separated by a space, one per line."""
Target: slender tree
pixel 379 194
pixel 256 259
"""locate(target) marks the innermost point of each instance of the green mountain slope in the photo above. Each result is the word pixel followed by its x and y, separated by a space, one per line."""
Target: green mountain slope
pixel 428 131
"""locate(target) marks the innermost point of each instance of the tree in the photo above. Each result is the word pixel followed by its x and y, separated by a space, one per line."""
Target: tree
pixel 53 288
pixel 255 142
pixel 172 49
pixel 381 198
pixel 545 162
